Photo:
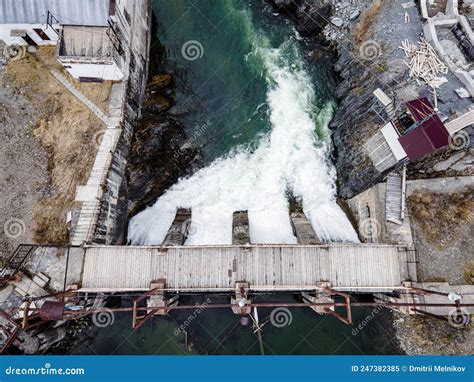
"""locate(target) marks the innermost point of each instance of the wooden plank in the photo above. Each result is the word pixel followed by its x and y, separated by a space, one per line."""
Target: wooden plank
pixel 206 268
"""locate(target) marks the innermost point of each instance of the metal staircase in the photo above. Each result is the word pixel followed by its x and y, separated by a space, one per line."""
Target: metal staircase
pixel 16 260
pixel 394 196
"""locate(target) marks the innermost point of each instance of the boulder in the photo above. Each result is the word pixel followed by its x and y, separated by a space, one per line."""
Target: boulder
pixel 156 103
pixel 337 21
pixel 160 81
pixel 354 15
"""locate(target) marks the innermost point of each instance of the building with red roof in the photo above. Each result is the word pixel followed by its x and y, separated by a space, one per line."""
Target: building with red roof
pixel 428 133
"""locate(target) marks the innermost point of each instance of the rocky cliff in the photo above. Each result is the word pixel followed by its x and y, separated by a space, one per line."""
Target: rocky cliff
pixel 365 37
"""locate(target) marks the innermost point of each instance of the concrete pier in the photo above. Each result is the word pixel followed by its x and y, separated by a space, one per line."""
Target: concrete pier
pixel 240 228
pixel 178 231
pixel 303 229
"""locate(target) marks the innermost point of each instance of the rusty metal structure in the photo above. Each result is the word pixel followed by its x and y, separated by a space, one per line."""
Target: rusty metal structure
pixel 36 311
pixel 15 261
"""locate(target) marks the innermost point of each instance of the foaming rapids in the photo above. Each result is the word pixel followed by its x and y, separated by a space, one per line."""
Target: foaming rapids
pixel 290 157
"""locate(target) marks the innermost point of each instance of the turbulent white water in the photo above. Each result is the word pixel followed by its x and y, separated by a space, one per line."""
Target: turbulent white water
pixel 289 157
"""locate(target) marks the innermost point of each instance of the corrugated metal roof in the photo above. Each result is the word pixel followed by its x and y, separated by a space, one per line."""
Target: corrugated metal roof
pixel 420 108
pixel 68 12
pixel 426 138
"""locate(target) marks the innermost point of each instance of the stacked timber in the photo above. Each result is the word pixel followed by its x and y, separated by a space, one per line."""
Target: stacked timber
pixel 423 62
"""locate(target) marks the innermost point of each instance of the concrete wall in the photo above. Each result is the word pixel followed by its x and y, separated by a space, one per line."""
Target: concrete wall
pixel 106 71
pixel 113 211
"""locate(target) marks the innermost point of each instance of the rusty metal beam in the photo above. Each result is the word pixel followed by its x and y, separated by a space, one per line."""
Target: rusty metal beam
pixel 273 305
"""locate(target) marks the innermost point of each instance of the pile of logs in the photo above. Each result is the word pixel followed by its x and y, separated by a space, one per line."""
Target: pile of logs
pixel 423 62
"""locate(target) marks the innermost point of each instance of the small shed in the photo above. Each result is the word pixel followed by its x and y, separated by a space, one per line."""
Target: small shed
pixel 36 22
pixel 428 133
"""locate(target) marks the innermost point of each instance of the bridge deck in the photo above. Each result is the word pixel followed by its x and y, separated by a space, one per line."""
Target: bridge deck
pixel 363 267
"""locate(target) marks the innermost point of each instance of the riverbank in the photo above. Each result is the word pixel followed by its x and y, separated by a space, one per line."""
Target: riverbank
pixel 376 61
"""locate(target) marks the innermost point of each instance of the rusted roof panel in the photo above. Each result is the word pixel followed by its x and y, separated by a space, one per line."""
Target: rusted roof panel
pixel 426 138
pixel 420 108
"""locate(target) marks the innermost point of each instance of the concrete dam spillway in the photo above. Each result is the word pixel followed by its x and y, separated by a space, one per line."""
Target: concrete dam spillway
pixel 292 154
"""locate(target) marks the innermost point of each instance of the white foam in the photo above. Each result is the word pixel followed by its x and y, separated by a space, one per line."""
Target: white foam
pixel 289 157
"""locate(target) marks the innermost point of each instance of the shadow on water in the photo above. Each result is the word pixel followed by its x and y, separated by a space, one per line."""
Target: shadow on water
pixel 299 331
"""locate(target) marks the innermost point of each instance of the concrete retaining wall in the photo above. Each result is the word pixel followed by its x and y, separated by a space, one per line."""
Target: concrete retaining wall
pixel 113 208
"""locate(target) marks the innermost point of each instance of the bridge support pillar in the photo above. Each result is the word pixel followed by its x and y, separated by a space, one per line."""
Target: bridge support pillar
pixel 324 296
pixel 240 303
pixel 240 228
pixel 156 302
pixel 407 297
pixel 303 229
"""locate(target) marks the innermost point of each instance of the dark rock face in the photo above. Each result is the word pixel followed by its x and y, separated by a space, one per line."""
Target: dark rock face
pixel 354 122
pixel 160 155
pixel 310 16
pixel 160 152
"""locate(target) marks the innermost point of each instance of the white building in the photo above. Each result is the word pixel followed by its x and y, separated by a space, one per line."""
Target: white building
pixel 92 36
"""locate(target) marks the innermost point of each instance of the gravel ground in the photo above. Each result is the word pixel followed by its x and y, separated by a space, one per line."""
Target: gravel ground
pixel 428 336
pixel 452 254
pixel 447 263
pixel 23 167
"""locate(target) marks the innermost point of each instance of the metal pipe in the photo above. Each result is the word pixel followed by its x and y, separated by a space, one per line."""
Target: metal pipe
pixel 266 305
